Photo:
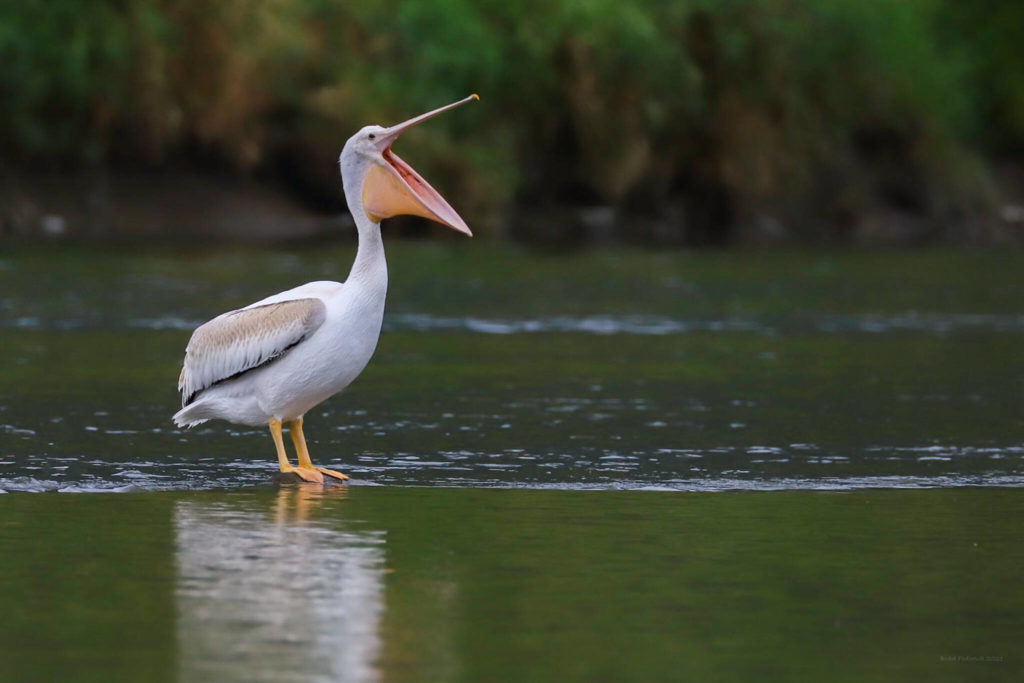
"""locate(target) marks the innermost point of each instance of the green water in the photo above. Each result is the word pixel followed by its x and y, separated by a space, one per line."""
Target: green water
pixel 693 371
pixel 444 584
pixel 611 465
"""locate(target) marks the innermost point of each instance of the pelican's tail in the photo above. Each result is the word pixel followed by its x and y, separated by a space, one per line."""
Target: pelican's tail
pixel 191 415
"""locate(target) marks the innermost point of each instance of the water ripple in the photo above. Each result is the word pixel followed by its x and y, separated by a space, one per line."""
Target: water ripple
pixel 826 323
pixel 724 468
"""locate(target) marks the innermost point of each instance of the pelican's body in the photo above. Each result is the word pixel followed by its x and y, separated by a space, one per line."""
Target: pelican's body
pixel 274 360
pixel 326 361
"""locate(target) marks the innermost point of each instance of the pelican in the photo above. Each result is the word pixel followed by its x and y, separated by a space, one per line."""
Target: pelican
pixel 272 361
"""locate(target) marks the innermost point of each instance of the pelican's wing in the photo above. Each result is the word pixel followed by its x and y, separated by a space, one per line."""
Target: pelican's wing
pixel 241 340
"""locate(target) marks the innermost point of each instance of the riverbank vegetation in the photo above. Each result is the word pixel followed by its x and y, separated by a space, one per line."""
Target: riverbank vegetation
pixel 697 122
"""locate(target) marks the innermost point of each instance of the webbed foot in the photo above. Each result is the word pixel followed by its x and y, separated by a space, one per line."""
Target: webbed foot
pixel 332 473
pixel 310 474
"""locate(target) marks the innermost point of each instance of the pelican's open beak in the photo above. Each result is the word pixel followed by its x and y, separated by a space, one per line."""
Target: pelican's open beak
pixel 393 188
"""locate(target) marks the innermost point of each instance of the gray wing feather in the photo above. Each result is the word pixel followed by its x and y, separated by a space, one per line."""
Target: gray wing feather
pixel 242 340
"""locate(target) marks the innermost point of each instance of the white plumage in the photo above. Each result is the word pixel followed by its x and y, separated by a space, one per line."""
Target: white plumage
pixel 274 360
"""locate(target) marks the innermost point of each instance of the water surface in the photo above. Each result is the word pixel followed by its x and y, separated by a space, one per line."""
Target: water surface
pixel 615 466
pixel 504 368
pixel 362 583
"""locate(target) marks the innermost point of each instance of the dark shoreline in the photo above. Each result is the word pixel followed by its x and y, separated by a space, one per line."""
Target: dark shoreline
pixel 180 205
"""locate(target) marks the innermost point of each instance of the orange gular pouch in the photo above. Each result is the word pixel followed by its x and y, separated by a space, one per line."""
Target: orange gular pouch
pixel 395 189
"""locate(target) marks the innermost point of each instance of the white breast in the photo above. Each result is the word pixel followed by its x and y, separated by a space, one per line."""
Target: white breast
pixel 328 361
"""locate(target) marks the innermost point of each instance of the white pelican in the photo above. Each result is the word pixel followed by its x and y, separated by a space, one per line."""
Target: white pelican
pixel 274 360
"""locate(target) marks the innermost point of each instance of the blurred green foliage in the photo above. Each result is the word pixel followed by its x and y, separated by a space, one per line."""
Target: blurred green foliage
pixel 706 111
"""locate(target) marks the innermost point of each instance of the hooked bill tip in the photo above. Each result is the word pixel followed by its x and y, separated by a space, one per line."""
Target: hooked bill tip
pixel 475 96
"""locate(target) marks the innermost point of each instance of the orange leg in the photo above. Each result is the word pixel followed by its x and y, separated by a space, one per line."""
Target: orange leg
pixel 299 439
pixel 305 473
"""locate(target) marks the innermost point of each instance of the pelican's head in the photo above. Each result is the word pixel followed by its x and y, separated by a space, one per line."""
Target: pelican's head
pixel 386 185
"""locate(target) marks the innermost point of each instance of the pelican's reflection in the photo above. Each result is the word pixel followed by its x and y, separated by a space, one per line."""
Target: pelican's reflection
pixel 275 594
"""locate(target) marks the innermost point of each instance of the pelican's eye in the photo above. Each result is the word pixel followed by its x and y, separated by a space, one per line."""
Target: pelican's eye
pixel 372 136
